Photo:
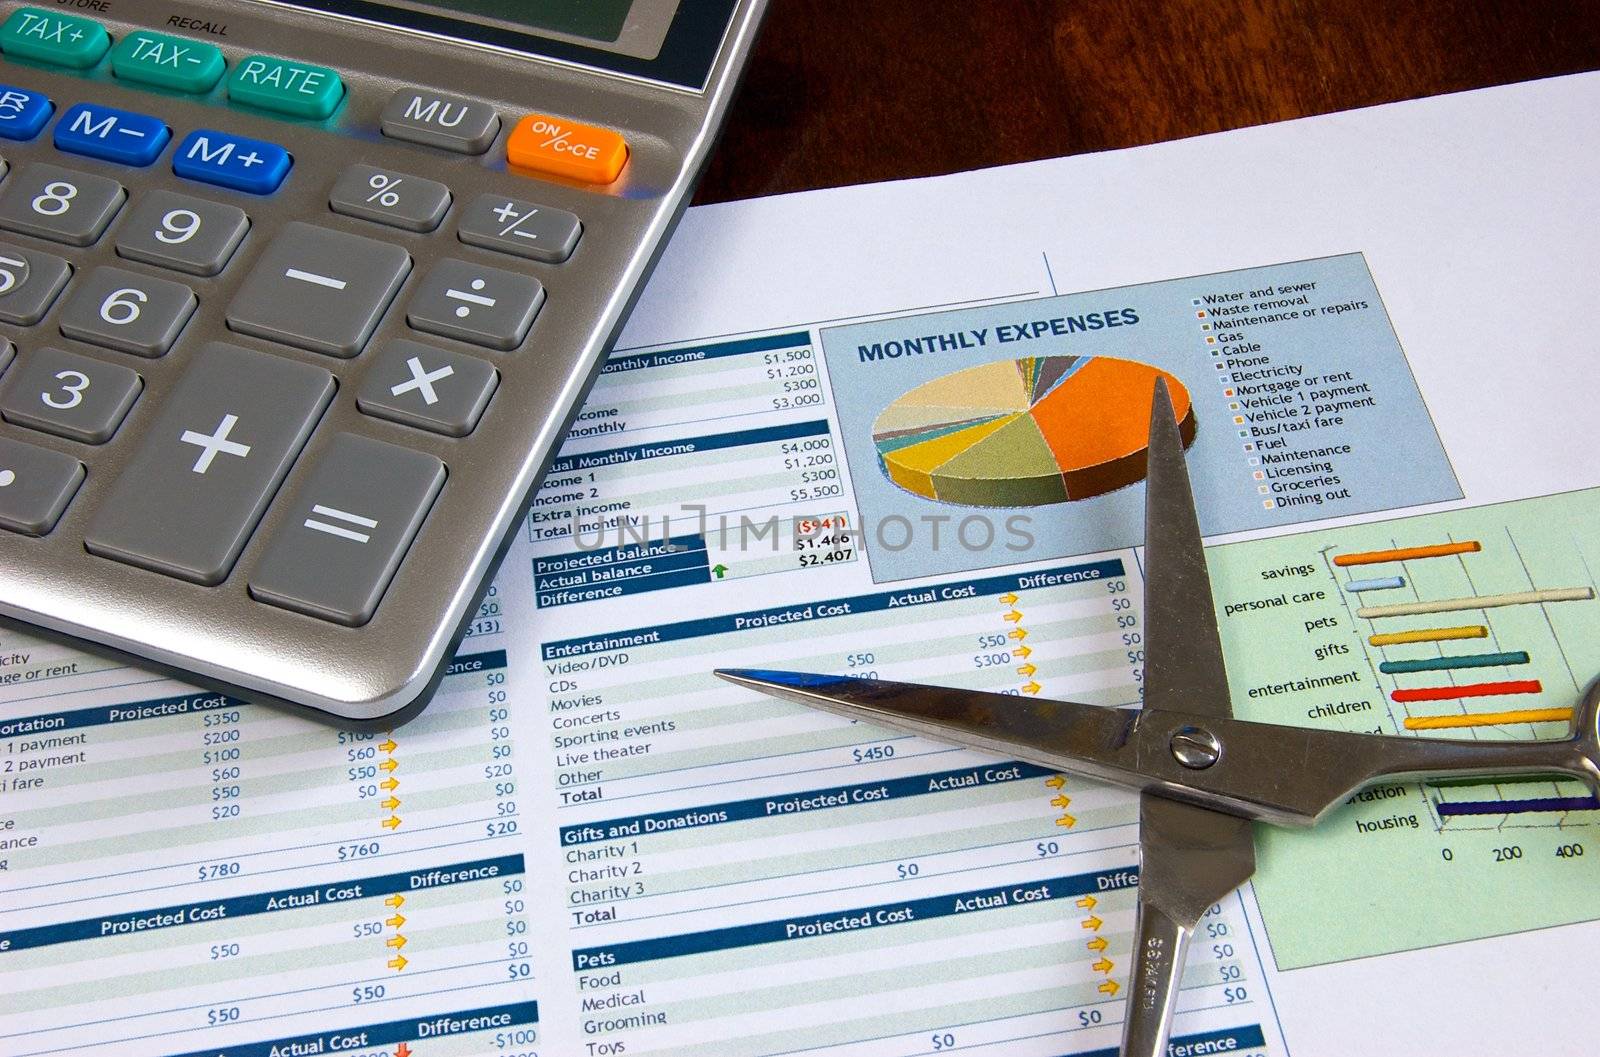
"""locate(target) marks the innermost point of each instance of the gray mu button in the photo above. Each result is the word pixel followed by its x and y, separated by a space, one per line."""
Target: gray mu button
pixel 465 126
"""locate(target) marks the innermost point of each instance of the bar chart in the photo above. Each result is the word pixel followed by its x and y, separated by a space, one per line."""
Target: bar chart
pixel 1479 624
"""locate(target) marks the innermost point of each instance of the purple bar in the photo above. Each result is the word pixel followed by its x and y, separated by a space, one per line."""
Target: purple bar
pixel 1512 807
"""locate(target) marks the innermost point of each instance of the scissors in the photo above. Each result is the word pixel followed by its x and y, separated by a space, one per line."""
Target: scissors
pixel 1202 776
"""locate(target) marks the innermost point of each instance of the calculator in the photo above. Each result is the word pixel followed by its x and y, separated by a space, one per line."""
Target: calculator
pixel 297 301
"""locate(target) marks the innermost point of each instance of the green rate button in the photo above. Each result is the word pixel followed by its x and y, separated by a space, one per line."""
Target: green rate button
pixel 167 62
pixel 285 86
pixel 46 36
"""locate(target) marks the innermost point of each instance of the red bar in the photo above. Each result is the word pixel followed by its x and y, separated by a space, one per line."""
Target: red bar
pixel 1450 693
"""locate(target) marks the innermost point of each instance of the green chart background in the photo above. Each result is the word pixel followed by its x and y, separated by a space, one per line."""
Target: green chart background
pixel 1334 893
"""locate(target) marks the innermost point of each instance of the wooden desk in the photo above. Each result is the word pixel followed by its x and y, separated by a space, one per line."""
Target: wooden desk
pixel 895 88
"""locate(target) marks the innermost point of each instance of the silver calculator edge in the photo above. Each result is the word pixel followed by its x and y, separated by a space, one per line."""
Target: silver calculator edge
pixel 382 673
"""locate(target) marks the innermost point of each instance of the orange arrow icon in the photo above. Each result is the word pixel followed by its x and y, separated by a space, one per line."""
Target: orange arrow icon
pixel 1103 966
pixel 391 784
pixel 1056 781
pixel 389 765
pixel 1012 616
pixel 392 822
pixel 1067 821
pixel 395 941
pixel 1092 923
pixel 387 746
pixel 1061 801
pixel 1108 988
pixel 1009 598
pixel 396 921
pixel 1088 903
pixel 389 803
pixel 1022 651
pixel 397 963
pixel 1026 669
pixel 1018 633
pixel 397 900
pixel 1098 944
pixel 1031 687
pixel 402 1050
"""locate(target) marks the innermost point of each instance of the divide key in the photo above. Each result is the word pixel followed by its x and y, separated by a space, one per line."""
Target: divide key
pixel 226 160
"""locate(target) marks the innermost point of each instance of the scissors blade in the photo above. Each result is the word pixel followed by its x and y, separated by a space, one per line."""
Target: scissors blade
pixel 1063 735
pixel 1190 858
pixel 1183 669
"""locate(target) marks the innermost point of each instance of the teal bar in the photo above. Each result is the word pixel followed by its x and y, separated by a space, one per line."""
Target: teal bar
pixel 1444 664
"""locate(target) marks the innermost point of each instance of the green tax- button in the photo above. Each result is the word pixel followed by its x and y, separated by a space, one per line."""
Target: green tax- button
pixel 286 87
pixel 167 62
pixel 47 36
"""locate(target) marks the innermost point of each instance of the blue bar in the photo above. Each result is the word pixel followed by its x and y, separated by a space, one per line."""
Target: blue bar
pixel 1377 583
pixel 119 136
pixel 566 596
pixel 1516 807
pixel 1229 1040
pixel 630 552
pixel 371 1036
pixel 1445 664
pixel 692 446
pixel 211 911
pixel 23 114
pixel 1089 572
pixel 226 160
pixel 861 919
pixel 623 571
pixel 800 803
pixel 624 360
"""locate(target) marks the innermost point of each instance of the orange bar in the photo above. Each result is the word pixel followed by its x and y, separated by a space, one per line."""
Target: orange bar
pixel 1402 554
pixel 1489 719
pixel 567 148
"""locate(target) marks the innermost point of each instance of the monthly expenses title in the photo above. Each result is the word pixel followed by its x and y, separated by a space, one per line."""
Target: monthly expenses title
pixel 1004 334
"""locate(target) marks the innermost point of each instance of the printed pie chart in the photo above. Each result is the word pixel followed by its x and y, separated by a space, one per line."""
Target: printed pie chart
pixel 1026 432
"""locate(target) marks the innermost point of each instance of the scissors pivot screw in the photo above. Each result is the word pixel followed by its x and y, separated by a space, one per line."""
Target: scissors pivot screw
pixel 1195 748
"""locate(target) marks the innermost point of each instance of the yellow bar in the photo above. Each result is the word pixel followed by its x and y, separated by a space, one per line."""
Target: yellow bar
pixel 1489 719
pixel 1402 554
pixel 1395 638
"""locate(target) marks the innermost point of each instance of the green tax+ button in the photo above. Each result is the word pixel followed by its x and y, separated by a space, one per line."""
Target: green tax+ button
pixel 167 61
pixel 46 36
pixel 287 87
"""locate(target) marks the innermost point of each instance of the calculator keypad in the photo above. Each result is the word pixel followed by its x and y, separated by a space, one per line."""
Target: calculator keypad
pixel 69 395
pixel 210 462
pixel 319 289
pixel 485 306
pixel 183 233
pixel 126 311
pixel 58 204
pixel 30 282
pixel 229 424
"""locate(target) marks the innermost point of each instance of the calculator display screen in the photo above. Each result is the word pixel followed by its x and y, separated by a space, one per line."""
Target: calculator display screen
pixel 667 40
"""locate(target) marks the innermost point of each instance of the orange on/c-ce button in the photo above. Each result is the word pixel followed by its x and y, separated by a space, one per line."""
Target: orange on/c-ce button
pixel 567 148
